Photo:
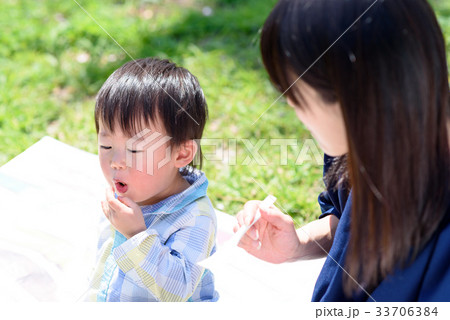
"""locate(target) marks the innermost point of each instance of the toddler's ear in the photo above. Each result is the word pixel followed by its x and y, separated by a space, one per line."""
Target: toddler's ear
pixel 185 153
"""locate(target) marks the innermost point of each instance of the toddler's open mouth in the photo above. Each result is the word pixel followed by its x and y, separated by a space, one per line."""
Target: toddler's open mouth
pixel 121 187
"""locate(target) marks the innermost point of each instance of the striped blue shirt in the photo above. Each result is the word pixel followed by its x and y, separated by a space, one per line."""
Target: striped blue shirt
pixel 159 264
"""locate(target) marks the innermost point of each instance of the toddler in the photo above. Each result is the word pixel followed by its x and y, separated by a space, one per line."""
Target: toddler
pixel 148 115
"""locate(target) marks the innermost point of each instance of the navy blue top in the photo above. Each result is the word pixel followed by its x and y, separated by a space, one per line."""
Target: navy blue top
pixel 427 278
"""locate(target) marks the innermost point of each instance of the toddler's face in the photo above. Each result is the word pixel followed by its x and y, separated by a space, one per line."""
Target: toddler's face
pixel 140 168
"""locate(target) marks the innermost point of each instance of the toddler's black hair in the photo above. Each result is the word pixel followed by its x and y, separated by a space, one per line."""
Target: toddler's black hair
pixel 149 90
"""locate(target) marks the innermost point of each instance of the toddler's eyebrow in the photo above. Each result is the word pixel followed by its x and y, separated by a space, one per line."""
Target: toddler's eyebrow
pixel 104 134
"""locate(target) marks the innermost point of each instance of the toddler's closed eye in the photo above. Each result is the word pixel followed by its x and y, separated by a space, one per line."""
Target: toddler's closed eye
pixel 135 151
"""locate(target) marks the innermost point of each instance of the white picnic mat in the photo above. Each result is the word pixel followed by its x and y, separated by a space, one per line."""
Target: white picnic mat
pixel 49 210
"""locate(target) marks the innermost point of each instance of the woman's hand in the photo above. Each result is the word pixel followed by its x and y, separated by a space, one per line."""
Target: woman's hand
pixel 272 238
pixel 124 214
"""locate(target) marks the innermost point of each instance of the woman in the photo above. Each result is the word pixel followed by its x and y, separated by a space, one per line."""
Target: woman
pixel 369 79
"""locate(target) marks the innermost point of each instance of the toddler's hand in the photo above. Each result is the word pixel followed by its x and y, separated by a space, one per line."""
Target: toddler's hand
pixel 124 214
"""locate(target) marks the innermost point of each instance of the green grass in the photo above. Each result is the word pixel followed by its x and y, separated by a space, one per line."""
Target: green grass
pixel 54 58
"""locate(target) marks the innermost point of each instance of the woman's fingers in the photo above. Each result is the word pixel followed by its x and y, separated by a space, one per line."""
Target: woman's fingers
pixel 253 233
pixel 252 240
pixel 249 244
pixel 250 209
pixel 275 217
pixel 239 220
pixel 246 216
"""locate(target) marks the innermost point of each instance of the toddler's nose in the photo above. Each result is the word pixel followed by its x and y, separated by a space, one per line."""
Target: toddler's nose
pixel 118 162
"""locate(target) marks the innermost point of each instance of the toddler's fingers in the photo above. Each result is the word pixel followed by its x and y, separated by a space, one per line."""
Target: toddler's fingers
pixel 105 209
pixel 127 201
pixel 109 194
pixel 114 204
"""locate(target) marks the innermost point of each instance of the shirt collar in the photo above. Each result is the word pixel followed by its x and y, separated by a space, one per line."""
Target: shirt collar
pixel 199 184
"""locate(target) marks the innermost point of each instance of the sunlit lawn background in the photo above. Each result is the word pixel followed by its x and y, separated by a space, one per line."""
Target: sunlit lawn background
pixel 54 58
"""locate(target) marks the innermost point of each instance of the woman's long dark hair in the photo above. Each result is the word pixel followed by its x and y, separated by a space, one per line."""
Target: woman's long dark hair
pixel 385 63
